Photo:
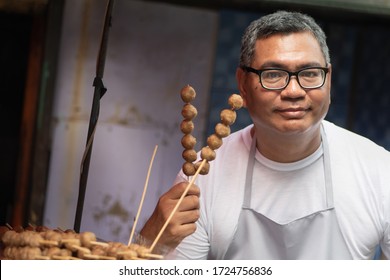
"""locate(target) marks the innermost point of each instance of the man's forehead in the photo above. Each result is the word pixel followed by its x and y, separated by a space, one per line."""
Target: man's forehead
pixel 302 48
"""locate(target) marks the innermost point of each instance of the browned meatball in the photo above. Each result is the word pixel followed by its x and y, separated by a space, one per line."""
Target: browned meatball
pixel 205 169
pixel 207 153
pixel 222 130
pixel 235 101
pixel 186 126
pixel 228 117
pixel 187 94
pixel 214 142
pixel 189 155
pixel 189 169
pixel 188 141
pixel 189 111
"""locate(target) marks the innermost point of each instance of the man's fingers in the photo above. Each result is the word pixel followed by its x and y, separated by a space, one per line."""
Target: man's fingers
pixel 187 217
pixel 187 205
pixel 190 202
pixel 177 190
pixel 183 220
pixel 181 230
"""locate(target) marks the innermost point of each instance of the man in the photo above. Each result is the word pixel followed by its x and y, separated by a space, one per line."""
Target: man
pixel 290 186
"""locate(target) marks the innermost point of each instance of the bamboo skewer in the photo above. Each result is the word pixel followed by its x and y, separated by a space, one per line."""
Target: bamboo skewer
pixel 177 205
pixel 64 258
pixel 143 196
pixel 153 256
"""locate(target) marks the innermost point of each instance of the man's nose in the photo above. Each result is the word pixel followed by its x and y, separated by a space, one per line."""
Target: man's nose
pixel 293 89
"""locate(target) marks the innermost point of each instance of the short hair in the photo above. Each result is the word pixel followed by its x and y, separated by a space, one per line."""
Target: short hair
pixel 280 22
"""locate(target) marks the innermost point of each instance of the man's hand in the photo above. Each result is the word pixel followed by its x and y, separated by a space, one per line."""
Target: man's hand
pixel 183 221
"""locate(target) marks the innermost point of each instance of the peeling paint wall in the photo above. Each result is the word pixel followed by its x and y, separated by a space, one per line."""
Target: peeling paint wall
pixel 153 51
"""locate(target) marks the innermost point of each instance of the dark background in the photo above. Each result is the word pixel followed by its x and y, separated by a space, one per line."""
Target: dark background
pixel 359 43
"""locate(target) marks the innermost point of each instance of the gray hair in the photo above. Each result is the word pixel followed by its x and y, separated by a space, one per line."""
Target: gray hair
pixel 280 22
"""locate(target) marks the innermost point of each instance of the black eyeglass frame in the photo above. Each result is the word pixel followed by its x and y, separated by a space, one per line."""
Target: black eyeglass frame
pixel 296 73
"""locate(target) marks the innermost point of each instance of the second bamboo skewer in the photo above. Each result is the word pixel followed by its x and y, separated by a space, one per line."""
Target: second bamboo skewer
pixel 177 205
pixel 143 197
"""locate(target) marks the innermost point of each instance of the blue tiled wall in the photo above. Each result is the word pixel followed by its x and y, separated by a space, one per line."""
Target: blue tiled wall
pixel 373 86
pixel 360 56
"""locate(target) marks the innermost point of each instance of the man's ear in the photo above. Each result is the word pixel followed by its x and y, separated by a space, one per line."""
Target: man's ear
pixel 241 77
pixel 330 82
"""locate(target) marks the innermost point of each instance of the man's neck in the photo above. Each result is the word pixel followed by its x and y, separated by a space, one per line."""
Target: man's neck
pixel 288 148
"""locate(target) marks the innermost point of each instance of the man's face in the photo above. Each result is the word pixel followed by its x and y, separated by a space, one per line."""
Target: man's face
pixel 291 110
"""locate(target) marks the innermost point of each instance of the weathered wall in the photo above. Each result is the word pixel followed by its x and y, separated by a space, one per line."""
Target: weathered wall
pixel 154 50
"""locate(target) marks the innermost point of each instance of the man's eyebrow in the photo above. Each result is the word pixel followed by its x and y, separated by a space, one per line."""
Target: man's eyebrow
pixel 274 64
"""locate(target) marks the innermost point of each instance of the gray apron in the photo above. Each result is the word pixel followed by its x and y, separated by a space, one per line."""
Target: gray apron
pixel 315 236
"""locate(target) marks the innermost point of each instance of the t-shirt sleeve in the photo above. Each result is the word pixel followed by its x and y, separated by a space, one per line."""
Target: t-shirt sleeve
pixel 385 242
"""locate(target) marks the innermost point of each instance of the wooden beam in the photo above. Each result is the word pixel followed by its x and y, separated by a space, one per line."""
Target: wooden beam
pixel 29 113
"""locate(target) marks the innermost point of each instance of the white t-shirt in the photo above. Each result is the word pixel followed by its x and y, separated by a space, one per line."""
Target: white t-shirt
pixel 275 185
pixel 284 192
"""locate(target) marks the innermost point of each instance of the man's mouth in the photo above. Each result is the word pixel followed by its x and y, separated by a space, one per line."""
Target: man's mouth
pixel 292 112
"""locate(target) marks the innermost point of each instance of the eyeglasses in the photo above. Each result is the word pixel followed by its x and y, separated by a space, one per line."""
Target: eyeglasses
pixel 277 79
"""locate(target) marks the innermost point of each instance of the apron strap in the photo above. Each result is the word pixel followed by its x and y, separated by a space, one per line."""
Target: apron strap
pixel 249 173
pixel 327 169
